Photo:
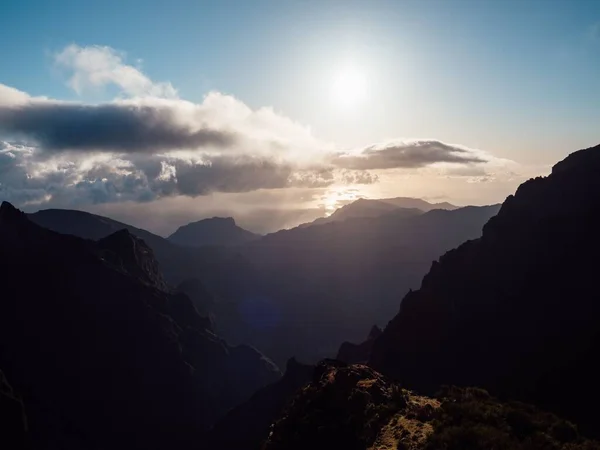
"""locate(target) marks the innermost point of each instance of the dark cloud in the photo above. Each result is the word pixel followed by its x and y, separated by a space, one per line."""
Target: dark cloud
pixel 414 154
pixel 143 178
pixel 113 127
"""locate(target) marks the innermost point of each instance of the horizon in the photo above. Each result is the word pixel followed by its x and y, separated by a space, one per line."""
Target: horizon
pixel 166 232
pixel 276 113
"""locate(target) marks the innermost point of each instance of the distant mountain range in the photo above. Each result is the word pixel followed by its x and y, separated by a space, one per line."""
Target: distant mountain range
pixel 299 292
pixel 329 283
pixel 99 350
pixel 514 311
pixel 363 208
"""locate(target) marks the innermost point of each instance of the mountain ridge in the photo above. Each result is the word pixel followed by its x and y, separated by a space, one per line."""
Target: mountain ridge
pixel 525 289
pixel 130 364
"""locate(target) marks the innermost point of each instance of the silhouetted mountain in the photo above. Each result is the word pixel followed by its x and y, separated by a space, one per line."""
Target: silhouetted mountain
pixel 224 273
pixel 301 292
pixel 102 354
pixel 215 231
pixel 363 208
pixel 517 310
pixel 247 426
pixel 354 407
pixel 323 285
pixel 417 203
pixel 358 353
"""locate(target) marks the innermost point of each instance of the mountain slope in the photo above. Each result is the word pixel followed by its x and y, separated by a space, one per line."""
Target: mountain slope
pixel 215 231
pixel 330 283
pixel 103 356
pixel 515 311
pixel 302 292
pixel 215 267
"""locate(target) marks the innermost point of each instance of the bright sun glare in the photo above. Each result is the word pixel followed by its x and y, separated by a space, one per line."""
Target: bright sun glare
pixel 349 87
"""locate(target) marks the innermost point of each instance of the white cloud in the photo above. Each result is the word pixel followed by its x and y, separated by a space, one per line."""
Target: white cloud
pixel 148 144
pixel 97 66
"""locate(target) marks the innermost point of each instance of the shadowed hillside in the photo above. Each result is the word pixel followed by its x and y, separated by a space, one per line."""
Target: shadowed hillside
pixel 103 354
pixel 301 292
pixel 517 310
pixel 330 283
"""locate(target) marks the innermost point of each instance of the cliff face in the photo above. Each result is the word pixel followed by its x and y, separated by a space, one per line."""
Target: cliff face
pixel 517 310
pixel 103 355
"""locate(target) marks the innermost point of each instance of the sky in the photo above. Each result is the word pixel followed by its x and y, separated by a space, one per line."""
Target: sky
pixel 276 112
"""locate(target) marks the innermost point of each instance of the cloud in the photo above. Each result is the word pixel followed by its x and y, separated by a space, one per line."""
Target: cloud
pixel 111 127
pixel 407 154
pixel 79 180
pixel 11 96
pixel 148 144
pixel 98 66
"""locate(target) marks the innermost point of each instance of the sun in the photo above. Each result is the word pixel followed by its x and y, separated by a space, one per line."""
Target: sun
pixel 349 87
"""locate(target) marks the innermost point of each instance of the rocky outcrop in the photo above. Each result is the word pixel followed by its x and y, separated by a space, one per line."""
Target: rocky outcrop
pixel 358 353
pixel 103 357
pixel 515 311
pixel 355 407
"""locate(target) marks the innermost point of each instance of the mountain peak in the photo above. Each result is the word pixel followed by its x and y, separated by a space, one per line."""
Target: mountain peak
pixel 581 159
pixel 212 231
pixel 9 213
pixel 134 256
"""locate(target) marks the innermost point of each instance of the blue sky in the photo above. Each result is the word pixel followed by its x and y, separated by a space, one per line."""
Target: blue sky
pixel 511 60
pixel 515 78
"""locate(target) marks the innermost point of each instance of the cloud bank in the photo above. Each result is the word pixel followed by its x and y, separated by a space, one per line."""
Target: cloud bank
pixel 149 144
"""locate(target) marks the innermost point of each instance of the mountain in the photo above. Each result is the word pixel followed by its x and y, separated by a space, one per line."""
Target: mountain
pixel 179 263
pixel 355 407
pixel 417 203
pixel 326 284
pixel 300 292
pixel 214 267
pixel 215 231
pixel 362 208
pixel 515 311
pixel 103 354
